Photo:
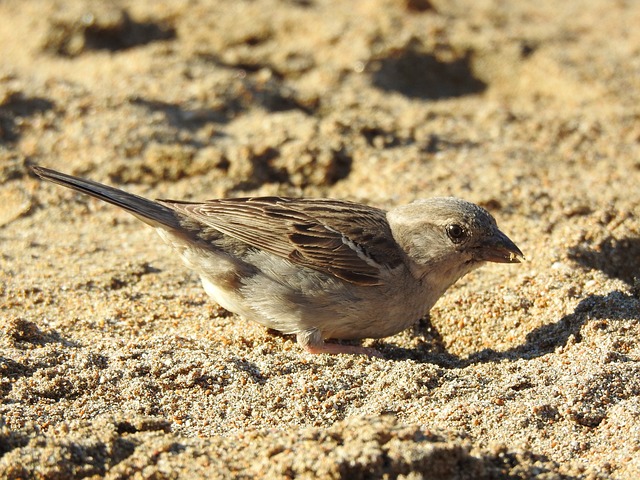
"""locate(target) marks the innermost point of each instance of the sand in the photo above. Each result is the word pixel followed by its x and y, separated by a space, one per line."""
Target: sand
pixel 114 363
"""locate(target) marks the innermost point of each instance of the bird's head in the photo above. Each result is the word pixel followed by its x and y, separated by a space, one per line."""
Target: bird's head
pixel 451 235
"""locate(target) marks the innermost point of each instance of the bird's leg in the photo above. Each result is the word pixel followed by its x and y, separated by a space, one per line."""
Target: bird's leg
pixel 313 343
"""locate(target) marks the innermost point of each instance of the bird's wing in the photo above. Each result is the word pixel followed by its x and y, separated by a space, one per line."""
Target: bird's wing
pixel 348 240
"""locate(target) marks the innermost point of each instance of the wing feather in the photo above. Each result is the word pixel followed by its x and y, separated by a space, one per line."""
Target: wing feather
pixel 348 240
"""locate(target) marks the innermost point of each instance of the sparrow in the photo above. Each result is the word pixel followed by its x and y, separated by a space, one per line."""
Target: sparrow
pixel 320 268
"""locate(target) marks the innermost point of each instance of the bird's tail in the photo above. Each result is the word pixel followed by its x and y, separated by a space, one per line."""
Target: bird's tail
pixel 146 210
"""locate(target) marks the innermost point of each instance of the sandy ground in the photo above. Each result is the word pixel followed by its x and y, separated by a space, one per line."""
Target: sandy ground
pixel 114 363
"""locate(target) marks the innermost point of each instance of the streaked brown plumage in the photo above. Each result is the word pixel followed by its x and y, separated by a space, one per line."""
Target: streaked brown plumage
pixel 320 268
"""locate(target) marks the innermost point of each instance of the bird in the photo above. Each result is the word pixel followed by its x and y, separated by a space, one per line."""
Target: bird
pixel 320 269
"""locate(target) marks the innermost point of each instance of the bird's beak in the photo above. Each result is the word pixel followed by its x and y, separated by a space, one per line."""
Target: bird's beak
pixel 500 249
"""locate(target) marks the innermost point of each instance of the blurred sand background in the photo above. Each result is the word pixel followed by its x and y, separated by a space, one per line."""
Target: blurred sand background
pixel 114 363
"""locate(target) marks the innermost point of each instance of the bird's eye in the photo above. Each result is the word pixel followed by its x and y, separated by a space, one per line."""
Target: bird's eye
pixel 456 233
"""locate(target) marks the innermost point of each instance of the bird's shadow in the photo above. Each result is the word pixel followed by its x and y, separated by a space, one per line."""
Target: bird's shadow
pixel 540 341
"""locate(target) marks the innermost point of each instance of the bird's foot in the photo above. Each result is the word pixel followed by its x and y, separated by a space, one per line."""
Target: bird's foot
pixel 313 342
pixel 336 348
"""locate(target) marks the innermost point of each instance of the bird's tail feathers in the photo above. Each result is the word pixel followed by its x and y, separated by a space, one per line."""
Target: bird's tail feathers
pixel 146 210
